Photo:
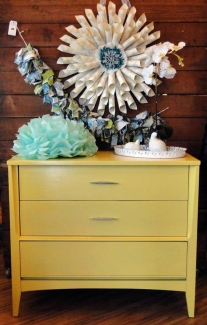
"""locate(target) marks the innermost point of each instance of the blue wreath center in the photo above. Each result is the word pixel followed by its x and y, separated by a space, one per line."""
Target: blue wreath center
pixel 111 58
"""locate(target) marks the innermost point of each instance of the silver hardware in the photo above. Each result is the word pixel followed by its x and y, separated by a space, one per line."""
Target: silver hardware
pixel 104 218
pixel 103 182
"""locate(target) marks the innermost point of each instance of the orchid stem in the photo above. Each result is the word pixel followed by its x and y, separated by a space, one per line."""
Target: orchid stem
pixel 156 104
pixel 161 111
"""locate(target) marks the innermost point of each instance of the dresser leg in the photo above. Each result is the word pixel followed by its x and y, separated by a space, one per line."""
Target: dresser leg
pixel 16 296
pixel 190 300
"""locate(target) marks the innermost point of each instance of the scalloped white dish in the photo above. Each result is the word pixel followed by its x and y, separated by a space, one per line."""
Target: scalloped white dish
pixel 172 152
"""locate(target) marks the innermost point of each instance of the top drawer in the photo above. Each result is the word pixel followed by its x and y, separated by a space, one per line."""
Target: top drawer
pixel 103 182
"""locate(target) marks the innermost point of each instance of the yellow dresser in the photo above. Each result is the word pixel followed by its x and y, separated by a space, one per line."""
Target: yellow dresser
pixel 104 221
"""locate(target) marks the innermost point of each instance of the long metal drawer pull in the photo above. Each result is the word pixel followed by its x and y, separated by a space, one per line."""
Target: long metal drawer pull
pixel 104 218
pixel 103 182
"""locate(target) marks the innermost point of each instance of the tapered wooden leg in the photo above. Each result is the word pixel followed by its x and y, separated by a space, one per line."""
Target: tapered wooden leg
pixel 16 296
pixel 190 300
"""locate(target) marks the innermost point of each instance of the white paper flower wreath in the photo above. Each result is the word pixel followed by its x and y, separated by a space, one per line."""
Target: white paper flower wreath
pixel 109 54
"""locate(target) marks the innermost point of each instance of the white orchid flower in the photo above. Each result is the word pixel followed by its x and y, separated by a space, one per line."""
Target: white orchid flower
pixel 164 65
pixel 148 74
pixel 166 70
pixel 181 45
pixel 149 51
pixel 159 52
pixel 175 48
pixel 170 73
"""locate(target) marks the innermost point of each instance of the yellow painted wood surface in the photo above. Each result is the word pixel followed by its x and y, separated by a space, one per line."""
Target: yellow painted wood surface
pixel 103 183
pixel 103 218
pixel 15 231
pixel 151 197
pixel 105 158
pixel 117 260
pixel 132 283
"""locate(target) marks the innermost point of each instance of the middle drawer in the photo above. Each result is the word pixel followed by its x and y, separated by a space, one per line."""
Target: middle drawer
pixel 103 218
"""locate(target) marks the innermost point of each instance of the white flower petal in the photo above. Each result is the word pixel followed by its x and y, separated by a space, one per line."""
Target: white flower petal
pixel 170 73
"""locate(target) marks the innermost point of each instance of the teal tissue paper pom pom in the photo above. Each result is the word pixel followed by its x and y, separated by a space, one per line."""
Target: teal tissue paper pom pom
pixel 53 136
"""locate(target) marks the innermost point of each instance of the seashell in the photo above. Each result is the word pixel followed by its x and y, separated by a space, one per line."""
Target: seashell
pixel 133 145
pixel 156 144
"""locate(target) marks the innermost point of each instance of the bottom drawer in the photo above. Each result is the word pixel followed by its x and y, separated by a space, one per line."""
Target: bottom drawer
pixel 103 259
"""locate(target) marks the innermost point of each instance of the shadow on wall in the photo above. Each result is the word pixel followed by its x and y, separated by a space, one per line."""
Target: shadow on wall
pixel 204 150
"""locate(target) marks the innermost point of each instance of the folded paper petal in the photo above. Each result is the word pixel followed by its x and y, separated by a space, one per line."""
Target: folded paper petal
pixel 82 21
pixel 123 12
pixel 84 78
pixel 122 82
pixel 139 23
pixel 91 17
pixel 73 30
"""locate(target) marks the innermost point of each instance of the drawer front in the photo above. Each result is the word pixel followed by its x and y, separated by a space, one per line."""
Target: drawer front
pixel 109 218
pixel 103 259
pixel 103 182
